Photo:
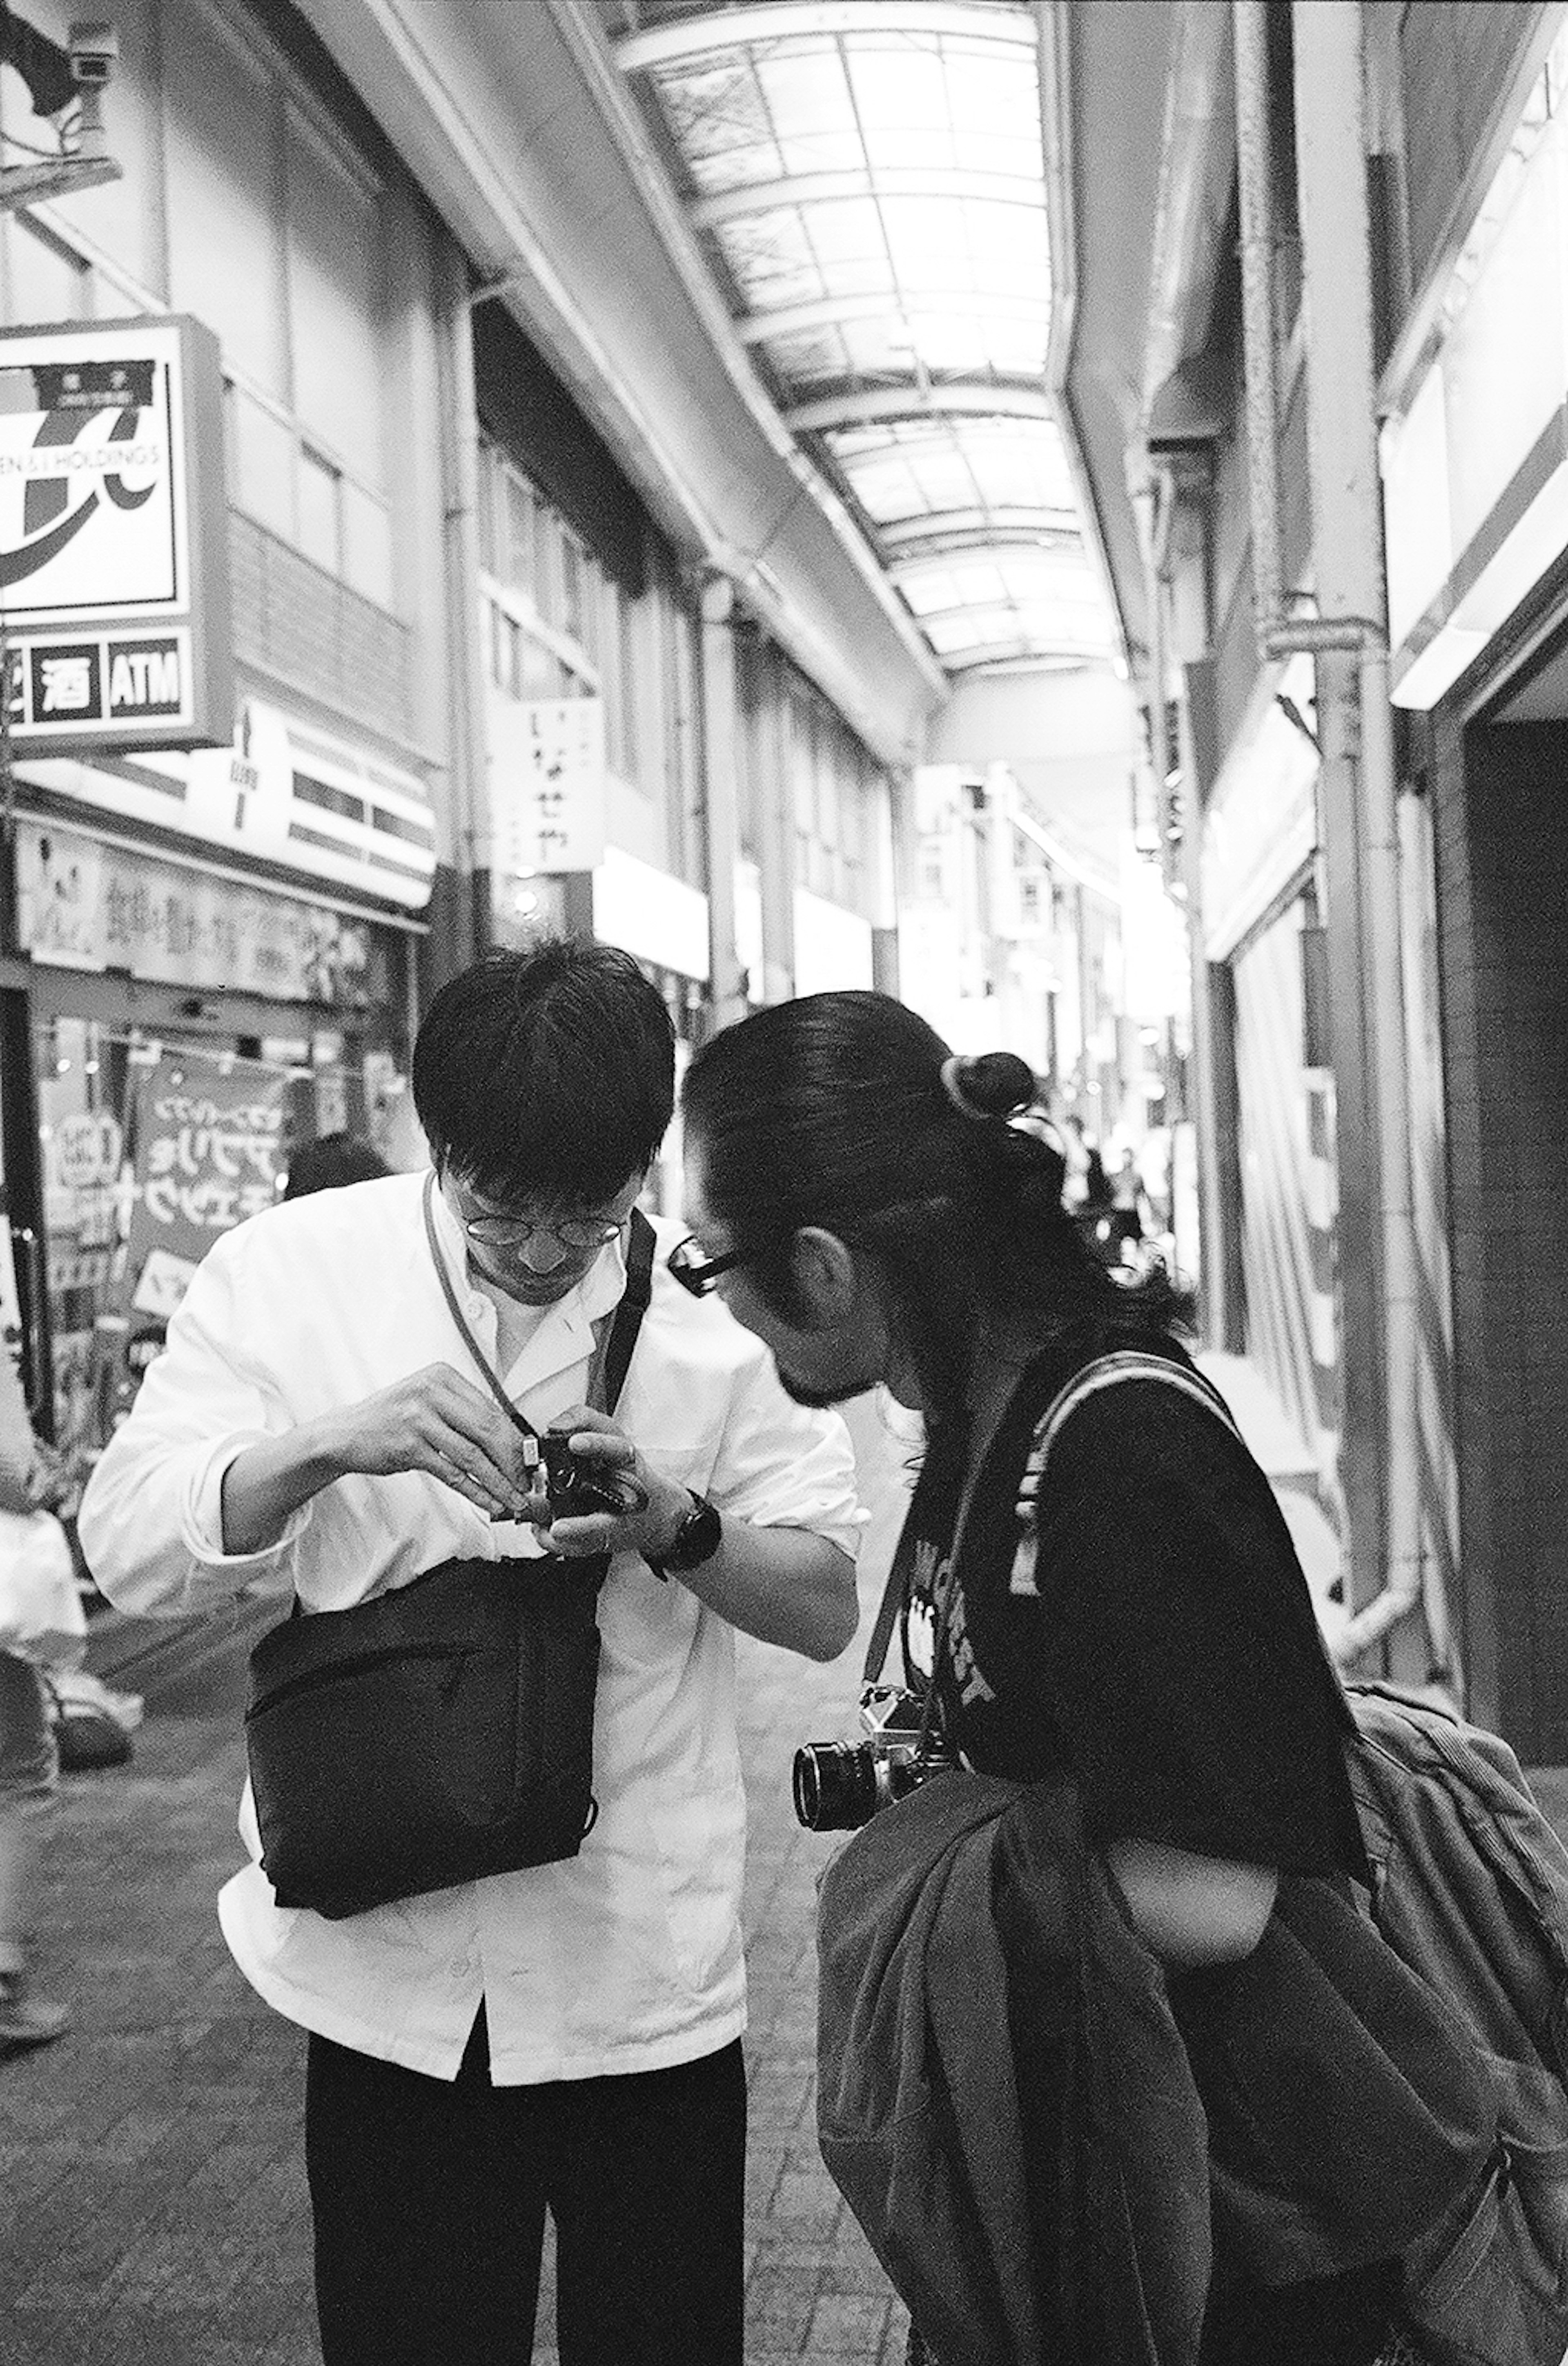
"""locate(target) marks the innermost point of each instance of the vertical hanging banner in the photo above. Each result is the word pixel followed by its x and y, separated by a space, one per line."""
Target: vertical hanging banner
pixel 114 574
pixel 548 793
pixel 204 1136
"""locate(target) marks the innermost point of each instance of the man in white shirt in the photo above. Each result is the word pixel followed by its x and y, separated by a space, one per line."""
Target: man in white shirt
pixel 565 2037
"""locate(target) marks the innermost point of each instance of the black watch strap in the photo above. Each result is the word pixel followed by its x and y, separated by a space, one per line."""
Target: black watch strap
pixel 697 1540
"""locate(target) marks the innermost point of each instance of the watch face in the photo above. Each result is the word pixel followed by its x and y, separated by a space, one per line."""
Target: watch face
pixel 697 1538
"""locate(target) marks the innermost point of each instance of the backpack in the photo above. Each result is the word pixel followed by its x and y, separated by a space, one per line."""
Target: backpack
pixel 1469 1890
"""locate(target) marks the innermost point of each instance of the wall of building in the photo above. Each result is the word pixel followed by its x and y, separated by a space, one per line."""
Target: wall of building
pixel 1502 889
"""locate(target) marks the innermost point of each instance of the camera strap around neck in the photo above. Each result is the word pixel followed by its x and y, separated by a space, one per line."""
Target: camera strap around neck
pixel 613 1348
pixel 895 1598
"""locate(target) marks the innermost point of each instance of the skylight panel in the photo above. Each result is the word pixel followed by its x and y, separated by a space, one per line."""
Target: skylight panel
pixel 886 490
pixel 716 109
pixel 859 274
pixel 808 99
pixel 844 228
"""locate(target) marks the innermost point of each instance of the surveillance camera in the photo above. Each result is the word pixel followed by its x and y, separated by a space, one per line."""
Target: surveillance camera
pixel 95 51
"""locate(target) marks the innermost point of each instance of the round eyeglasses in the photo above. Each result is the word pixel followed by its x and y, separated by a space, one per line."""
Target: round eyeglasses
pixel 696 1272
pixel 577 1235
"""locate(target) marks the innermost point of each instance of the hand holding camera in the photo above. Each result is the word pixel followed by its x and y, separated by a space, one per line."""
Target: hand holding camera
pixel 591 1492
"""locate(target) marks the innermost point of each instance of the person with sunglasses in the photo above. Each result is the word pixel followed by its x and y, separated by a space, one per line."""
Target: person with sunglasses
pixel 1113 1610
pixel 566 2038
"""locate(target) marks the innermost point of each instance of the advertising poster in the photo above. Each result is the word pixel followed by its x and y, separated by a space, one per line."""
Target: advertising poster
pixel 92 496
pixel 113 550
pixel 204 1136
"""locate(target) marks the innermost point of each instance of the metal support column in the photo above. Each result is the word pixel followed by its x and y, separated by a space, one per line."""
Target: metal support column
pixel 1355 728
pixel 721 754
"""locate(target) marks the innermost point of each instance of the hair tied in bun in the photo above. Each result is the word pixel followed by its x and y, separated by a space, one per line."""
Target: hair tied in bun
pixel 988 1085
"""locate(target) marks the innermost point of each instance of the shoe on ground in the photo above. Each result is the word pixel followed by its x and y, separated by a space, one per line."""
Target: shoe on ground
pixel 27 2020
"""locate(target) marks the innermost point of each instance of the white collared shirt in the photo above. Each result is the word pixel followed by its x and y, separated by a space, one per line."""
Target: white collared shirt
pixel 627 1957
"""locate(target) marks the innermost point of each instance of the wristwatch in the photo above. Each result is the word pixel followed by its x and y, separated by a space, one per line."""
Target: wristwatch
pixel 697 1540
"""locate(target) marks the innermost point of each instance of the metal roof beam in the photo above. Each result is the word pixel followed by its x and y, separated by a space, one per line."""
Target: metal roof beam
pixel 793 20
pixel 1051 529
pixel 976 613
pixel 940 562
pixel 962 400
pixel 885 181
pixel 833 311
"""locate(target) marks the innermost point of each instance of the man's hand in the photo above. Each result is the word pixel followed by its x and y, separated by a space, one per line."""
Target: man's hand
pixel 434 1421
pixel 606 1452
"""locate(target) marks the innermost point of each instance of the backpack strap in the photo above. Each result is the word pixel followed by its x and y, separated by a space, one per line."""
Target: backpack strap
pixel 1104 1372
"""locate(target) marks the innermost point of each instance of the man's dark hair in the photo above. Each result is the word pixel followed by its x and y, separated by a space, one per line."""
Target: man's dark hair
pixel 330 1162
pixel 547 1075
pixel 832 1110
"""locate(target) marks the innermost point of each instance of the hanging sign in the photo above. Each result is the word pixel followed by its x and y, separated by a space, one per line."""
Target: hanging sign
pixel 114 535
pixel 89 905
pixel 205 1134
pixel 548 784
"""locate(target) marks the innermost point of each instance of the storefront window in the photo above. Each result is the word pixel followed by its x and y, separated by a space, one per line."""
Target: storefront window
pixel 151 1147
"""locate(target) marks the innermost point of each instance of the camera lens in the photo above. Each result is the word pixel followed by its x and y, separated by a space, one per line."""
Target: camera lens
pixel 835 1787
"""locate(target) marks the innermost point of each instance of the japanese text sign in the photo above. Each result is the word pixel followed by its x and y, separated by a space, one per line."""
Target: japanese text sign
pixel 205 1134
pixel 547 783
pixel 113 525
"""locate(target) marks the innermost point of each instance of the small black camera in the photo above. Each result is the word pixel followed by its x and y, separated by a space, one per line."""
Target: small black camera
pixel 840 1785
pixel 576 1489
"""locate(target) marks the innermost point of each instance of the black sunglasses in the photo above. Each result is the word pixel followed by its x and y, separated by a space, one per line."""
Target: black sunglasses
pixel 697 1273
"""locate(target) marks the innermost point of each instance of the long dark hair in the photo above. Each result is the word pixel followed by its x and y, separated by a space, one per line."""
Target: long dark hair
pixel 847 1110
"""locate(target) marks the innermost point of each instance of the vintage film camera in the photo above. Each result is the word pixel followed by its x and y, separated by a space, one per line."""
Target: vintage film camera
pixel 577 1490
pixel 840 1785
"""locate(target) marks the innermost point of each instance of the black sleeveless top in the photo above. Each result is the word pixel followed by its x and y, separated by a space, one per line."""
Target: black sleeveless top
pixel 1137 1620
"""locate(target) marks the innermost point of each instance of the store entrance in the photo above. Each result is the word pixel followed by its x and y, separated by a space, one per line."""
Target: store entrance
pixel 155 1136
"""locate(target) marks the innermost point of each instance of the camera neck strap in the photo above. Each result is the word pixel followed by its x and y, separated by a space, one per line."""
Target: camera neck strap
pixel 895 1598
pixel 613 1348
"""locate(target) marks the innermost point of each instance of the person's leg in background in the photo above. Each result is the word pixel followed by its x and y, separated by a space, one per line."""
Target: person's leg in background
pixel 28 1768
pixel 650 2211
pixel 429 2226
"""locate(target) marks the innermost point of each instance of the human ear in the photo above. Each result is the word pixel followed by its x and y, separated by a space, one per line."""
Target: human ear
pixel 827 1283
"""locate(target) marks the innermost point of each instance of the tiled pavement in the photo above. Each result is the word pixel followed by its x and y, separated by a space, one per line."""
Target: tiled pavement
pixel 153 2205
pixel 153 2208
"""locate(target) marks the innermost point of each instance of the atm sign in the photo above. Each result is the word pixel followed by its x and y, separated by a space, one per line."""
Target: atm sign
pixel 67 686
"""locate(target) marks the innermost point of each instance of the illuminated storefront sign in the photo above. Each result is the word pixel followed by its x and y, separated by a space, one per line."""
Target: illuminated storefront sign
pixel 84 905
pixel 113 537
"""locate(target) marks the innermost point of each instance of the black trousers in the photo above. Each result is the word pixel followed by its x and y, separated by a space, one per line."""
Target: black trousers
pixel 430 2198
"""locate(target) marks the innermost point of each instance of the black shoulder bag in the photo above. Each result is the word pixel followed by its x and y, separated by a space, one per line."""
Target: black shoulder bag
pixel 444 1731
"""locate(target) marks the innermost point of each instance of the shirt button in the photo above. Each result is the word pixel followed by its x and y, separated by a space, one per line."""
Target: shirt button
pixel 460 1966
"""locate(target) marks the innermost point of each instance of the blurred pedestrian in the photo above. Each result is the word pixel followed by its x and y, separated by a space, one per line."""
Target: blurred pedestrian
pixel 1129 1211
pixel 1076 1149
pixel 1155 1166
pixel 30 1480
pixel 330 1162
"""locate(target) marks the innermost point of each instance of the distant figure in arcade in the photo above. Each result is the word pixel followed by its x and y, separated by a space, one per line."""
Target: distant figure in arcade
pixel 1112 1213
pixel 330 1160
pixel 1129 1210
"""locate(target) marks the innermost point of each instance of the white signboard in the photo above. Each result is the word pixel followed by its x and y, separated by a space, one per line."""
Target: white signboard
pixel 113 526
pixel 92 492
pixel 83 904
pixel 548 784
pixel 62 683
